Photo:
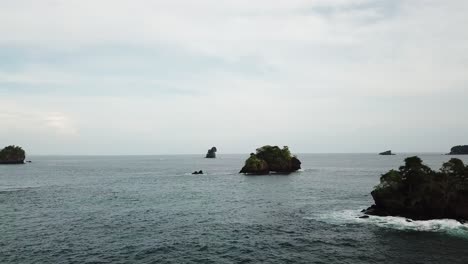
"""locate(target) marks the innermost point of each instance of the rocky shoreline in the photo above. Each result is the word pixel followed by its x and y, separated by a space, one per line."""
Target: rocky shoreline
pixel 416 192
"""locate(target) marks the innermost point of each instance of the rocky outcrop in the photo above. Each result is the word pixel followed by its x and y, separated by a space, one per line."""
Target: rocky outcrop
pixel 459 150
pixel 211 153
pixel 271 159
pixel 388 152
pixel 254 165
pixel 419 193
pixel 12 155
pixel 197 172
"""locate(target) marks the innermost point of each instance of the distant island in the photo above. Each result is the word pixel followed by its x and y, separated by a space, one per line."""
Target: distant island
pixel 12 155
pixel 459 150
pixel 388 152
pixel 211 153
pixel 417 192
pixel 271 159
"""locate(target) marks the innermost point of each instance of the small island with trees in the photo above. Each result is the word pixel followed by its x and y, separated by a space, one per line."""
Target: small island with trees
pixel 211 154
pixel 419 193
pixel 12 155
pixel 459 150
pixel 271 159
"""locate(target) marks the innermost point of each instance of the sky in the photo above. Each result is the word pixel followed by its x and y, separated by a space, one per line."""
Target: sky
pixel 98 77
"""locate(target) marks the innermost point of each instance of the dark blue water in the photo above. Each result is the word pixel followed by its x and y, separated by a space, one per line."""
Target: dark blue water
pixel 150 209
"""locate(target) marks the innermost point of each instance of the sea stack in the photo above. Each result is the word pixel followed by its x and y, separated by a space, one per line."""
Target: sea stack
pixel 271 159
pixel 459 150
pixel 415 191
pixel 388 152
pixel 12 155
pixel 211 153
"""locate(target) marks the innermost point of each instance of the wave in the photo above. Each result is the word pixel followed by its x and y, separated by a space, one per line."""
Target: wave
pixel 7 190
pixel 311 170
pixel 449 226
pixel 210 173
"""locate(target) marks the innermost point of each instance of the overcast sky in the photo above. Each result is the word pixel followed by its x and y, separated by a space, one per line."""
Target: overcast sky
pixel 180 76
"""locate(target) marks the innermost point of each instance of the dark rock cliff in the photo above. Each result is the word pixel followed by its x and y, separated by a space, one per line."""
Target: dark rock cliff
pixel 211 154
pixel 417 192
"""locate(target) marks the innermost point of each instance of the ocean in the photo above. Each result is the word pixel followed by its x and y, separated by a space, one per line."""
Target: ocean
pixel 151 209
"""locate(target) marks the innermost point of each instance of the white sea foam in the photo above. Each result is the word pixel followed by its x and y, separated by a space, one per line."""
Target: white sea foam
pixel 450 226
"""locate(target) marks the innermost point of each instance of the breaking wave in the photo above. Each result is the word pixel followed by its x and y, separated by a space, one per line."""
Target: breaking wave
pixel 449 226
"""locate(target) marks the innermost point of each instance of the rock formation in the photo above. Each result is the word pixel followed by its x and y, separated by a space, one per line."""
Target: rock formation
pixel 388 152
pixel 211 153
pixel 459 150
pixel 419 193
pixel 271 159
pixel 12 155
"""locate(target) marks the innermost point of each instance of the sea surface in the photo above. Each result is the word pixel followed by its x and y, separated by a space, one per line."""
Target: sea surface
pixel 151 209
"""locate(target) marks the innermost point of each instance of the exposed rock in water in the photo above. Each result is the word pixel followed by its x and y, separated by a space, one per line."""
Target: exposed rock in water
pixel 388 152
pixel 197 172
pixel 271 159
pixel 419 193
pixel 12 155
pixel 459 150
pixel 211 153
pixel 254 165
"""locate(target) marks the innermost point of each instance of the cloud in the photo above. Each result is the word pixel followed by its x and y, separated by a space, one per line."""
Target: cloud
pixel 17 117
pixel 164 72
pixel 228 28
pixel 376 47
pixel 60 123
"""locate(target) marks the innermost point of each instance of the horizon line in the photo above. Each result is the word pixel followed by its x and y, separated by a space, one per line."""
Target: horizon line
pixel 200 154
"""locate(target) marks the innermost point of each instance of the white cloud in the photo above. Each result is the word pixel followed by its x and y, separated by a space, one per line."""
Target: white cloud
pixel 17 117
pixel 420 47
pixel 36 75
pixel 60 123
pixel 320 65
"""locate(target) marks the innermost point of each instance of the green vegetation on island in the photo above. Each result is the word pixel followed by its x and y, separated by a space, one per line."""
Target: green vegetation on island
pixel 417 192
pixel 12 155
pixel 271 159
